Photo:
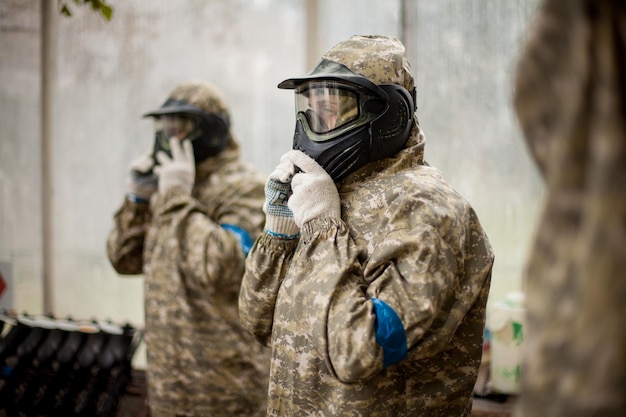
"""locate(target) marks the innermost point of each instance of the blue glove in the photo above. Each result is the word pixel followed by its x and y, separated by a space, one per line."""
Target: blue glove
pixel 278 217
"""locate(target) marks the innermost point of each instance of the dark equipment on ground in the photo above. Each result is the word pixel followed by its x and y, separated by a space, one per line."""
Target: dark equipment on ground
pixel 62 367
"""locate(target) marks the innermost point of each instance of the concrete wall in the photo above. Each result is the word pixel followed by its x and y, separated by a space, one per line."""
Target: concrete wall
pixel 104 75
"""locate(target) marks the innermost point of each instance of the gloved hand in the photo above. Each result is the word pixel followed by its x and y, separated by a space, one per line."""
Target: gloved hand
pixel 141 182
pixel 278 217
pixel 180 170
pixel 314 191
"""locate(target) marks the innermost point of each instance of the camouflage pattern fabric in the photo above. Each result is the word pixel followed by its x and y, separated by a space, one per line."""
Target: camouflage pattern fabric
pixel 405 237
pixel 571 102
pixel 378 58
pixel 203 95
pixel 201 362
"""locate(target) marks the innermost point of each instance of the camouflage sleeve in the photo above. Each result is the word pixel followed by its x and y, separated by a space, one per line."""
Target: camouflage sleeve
pixel 412 271
pixel 266 266
pixel 241 206
pixel 209 254
pixel 126 239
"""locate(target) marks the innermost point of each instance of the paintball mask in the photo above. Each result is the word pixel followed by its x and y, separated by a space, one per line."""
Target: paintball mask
pixel 356 106
pixel 344 120
pixel 208 132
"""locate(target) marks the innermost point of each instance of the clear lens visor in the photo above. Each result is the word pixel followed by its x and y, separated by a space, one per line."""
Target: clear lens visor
pixel 168 126
pixel 327 105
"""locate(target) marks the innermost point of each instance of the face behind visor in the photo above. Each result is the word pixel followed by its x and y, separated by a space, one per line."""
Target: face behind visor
pixel 178 126
pixel 332 107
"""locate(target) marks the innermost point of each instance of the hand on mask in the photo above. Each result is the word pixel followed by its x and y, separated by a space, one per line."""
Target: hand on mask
pixel 278 217
pixel 314 192
pixel 178 171
pixel 141 181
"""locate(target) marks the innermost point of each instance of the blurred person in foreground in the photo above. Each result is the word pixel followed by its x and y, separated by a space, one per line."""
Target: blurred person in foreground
pixel 191 214
pixel 371 277
pixel 570 100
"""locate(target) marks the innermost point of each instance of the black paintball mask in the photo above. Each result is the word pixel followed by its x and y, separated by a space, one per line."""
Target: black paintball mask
pixel 344 120
pixel 208 132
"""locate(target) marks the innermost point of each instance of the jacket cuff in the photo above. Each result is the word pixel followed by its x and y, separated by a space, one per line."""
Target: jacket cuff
pixel 283 227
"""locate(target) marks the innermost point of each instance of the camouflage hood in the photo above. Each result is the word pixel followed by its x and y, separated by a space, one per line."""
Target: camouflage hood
pixel 378 58
pixel 203 95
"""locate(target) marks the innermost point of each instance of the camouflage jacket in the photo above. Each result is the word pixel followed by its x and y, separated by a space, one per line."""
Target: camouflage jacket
pixel 406 238
pixel 200 360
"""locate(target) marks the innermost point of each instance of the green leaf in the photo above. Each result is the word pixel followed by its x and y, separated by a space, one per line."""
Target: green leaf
pixel 65 11
pixel 98 6
pixel 106 11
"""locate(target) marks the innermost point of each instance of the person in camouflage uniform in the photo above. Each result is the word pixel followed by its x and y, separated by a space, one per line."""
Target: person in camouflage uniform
pixel 187 224
pixel 570 99
pixel 371 278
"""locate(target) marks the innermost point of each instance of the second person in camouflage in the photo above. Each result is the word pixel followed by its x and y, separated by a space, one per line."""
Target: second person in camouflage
pixel 187 224
pixel 371 278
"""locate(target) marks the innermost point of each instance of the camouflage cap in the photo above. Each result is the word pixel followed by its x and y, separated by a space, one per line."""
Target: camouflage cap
pixel 378 58
pixel 203 95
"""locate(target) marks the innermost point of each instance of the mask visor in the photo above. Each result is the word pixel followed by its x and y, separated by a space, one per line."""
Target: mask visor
pixel 327 105
pixel 174 125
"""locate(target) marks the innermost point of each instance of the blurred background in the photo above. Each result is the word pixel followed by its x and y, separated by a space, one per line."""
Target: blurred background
pixel 73 89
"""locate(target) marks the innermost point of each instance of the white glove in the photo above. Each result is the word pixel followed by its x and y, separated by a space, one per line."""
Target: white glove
pixel 141 181
pixel 314 192
pixel 278 217
pixel 178 171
